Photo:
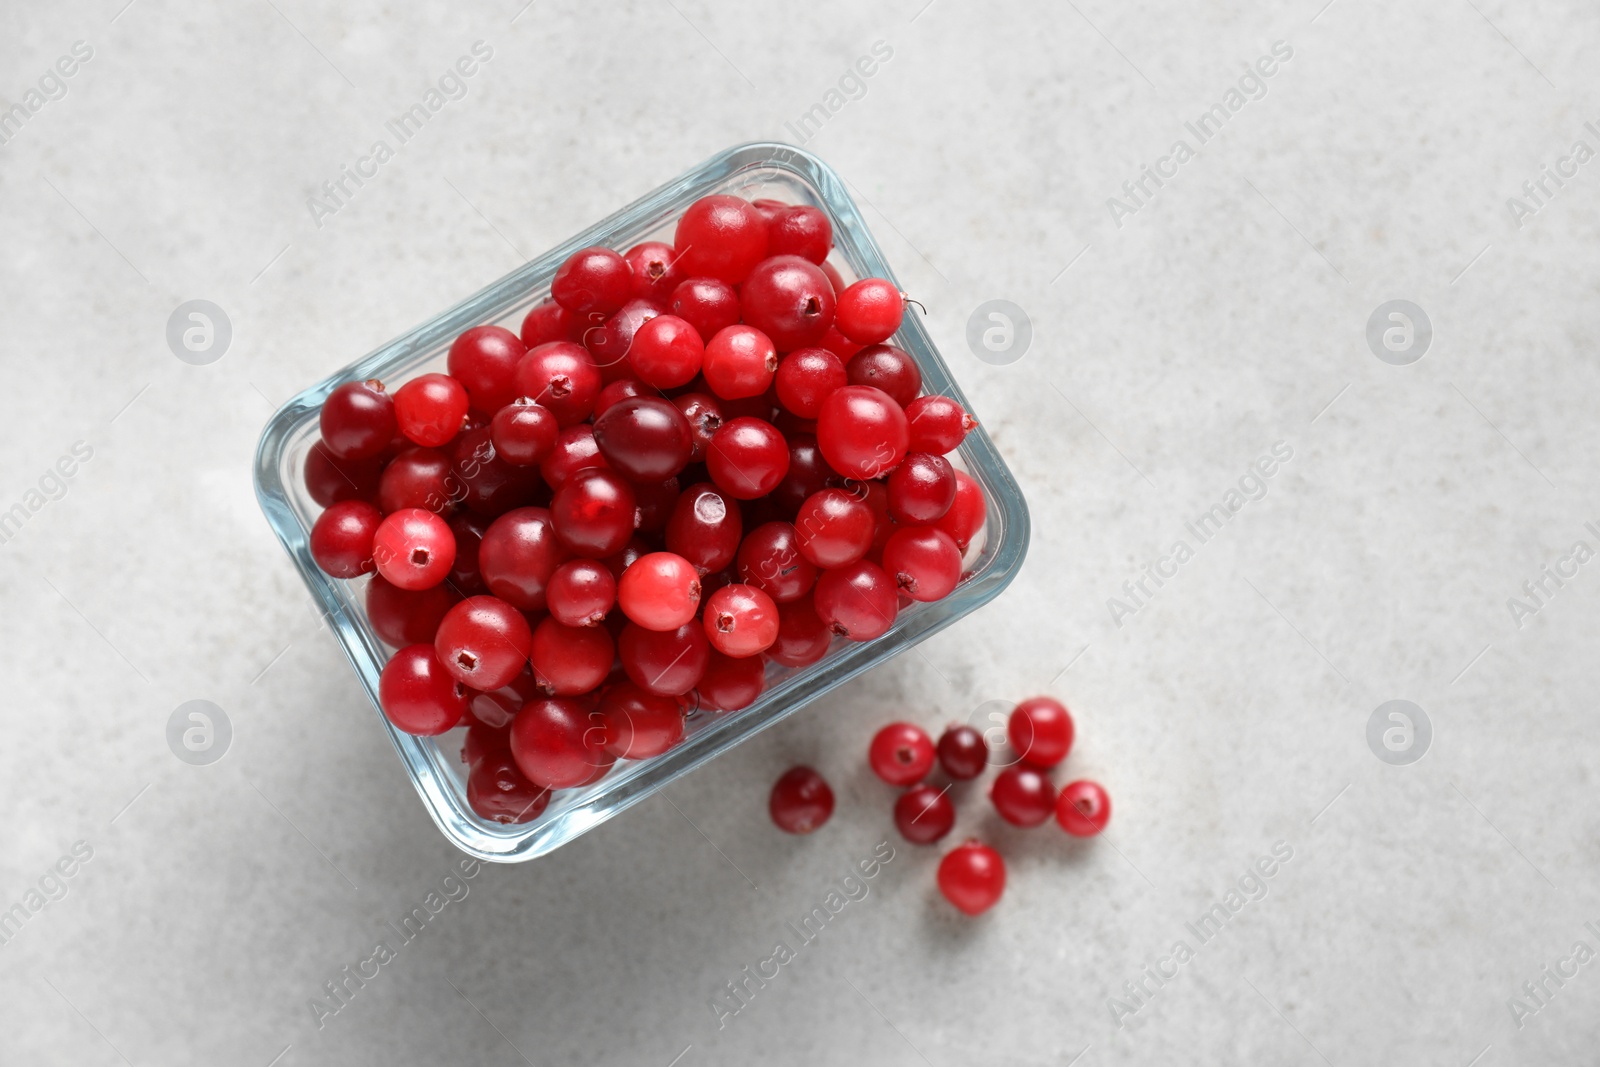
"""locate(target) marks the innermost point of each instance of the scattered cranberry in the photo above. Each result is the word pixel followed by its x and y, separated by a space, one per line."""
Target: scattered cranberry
pixel 413 548
pixel 901 754
pixel 963 753
pixel 720 237
pixel 484 642
pixel 801 801
pixel 1023 796
pixel 358 420
pixel 342 538
pixel 938 424
pixel 869 311
pixel 923 814
pixel 1083 809
pixel 592 279
pixel 972 876
pixel 418 695
pixel 1040 730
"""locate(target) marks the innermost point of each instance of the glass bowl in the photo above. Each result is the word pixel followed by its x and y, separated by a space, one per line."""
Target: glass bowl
pixel 776 171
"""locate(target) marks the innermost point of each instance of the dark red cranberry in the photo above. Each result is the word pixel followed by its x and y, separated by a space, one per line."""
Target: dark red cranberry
pixel 518 554
pixel 888 368
pixel 770 559
pixel 358 420
pixel 705 527
pixel 484 360
pixel 645 438
pixel 801 801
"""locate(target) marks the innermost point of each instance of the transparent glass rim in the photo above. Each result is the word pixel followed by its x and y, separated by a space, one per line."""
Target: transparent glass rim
pixel 1008 523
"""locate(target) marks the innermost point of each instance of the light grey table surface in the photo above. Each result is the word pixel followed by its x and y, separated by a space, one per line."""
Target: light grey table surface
pixel 1176 338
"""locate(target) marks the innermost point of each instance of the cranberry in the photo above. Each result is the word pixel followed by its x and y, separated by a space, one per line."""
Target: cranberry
pixel 838 343
pixel 835 279
pixel 342 538
pixel 561 377
pixel 862 432
pixel 670 662
pixel 656 501
pixel 330 479
pixel 921 489
pixel 655 270
pixel 403 617
pixel 834 528
pixel 484 642
pixel 524 432
pixel 808 474
pixel 575 451
pixel 661 591
pixel 465 575
pixel 901 754
pixel 592 279
pixel 967 512
pixel 705 418
pixel 705 528
pixel 594 513
pixel 721 237
pixel 938 424
pixel 499 792
pixel 790 300
pixel 646 438
pixel 419 478
pixel 488 484
pixel 358 420
pixel 570 660
pixel 637 723
pixel 770 560
pixel 636 548
pixel 730 684
pixel 429 409
pixel 615 392
pixel 667 352
pixel 925 563
pixel 549 321
pixel 801 801
pixel 888 368
pixel 484 360
pixel 747 458
pixel 498 707
pixel 1083 809
pixel 519 553
pixel 557 743
pixel 803 638
pixel 741 620
pixel 962 752
pixel 610 341
pixel 413 548
pixel 802 231
pixel 923 814
pixel 580 593
pixel 418 695
pixel 706 304
pixel 869 311
pixel 807 377
pixel 858 600
pixel 1023 796
pixel 1041 731
pixel 739 362
pixel 972 876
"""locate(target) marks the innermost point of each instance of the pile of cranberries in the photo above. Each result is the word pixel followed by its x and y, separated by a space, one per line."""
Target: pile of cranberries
pixel 696 459
pixel 971 876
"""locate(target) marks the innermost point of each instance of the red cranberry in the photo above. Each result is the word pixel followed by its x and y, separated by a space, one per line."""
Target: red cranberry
pixel 740 620
pixel 862 432
pixel 330 479
pixel 790 300
pixel 524 432
pixel 938 424
pixel 637 723
pixel 888 368
pixel 418 695
pixel 419 478
pixel 967 512
pixel 921 489
pixel 706 304
pixel 838 343
pixel 499 792
pixel 646 438
pixel 670 662
pixel 806 377
pixel 484 360
pixel 413 548
pixel 488 484
pixel 808 474
pixel 575 450
pixel 661 591
pixel 1041 731
pixel 358 420
pixel 720 237
pixel 561 377
pixel 519 552
pixel 636 548
pixel 770 560
pixel 429 409
pixel 403 617
pixel 801 801
pixel 963 753
pixel 924 563
pixel 747 458
pixel 739 362
pixel 972 876
pixel 570 660
pixel 594 513
pixel 549 321
pixel 730 684
pixel 580 593
pixel 610 342
pixel 705 417
pixel 803 638
pixel 1023 796
pixel 342 538
pixel 858 600
pixel 557 744
pixel 484 642
pixel 834 528
pixel 592 279
pixel 923 814
pixel 901 754
pixel 615 392
pixel 802 231
pixel 869 311
pixel 705 528
pixel 655 270
pixel 498 707
pixel 667 352
pixel 1083 809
